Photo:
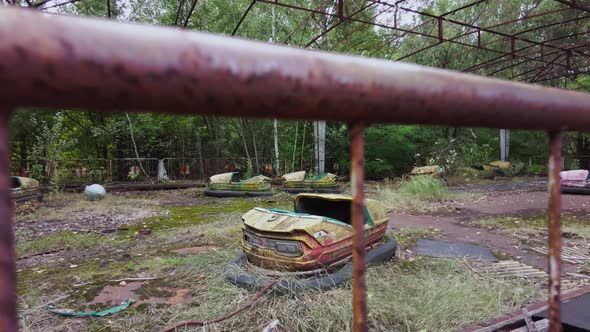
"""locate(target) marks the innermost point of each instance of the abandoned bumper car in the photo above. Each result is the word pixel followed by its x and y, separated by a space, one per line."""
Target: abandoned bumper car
pixel 25 189
pixel 310 248
pixel 298 182
pixel 575 182
pixel 229 185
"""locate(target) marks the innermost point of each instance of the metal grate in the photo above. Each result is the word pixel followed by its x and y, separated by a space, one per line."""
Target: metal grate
pixel 515 269
pixel 579 254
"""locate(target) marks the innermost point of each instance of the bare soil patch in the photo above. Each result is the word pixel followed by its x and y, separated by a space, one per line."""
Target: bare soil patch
pixel 457 225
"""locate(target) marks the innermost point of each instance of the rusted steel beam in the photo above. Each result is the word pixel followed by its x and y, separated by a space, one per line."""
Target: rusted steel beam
pixel 190 13
pixel 494 60
pixel 8 299
pixel 341 9
pixel 326 14
pixel 543 55
pixel 441 37
pixel 572 72
pixel 243 17
pixel 555 147
pixel 178 11
pixel 357 175
pixel 574 4
pixel 60 61
pixel 453 11
pixel 485 29
pixel 539 70
pixel 340 21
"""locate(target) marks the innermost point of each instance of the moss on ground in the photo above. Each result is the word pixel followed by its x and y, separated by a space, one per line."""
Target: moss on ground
pixel 574 225
pixel 71 240
pixel 408 237
pixel 191 215
pixel 436 295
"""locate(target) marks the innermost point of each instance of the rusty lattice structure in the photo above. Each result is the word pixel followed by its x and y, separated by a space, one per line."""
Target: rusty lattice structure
pixel 55 61
pixel 511 46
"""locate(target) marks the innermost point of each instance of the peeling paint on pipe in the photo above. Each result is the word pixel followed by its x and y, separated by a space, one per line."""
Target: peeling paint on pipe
pixel 61 61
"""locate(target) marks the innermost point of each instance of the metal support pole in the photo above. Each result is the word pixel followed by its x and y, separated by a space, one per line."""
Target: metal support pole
pixel 8 302
pixel 555 147
pixel 357 174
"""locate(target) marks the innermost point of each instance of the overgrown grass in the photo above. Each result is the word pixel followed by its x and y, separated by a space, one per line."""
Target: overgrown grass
pixel 436 295
pixel 407 237
pixel 67 206
pixel 57 241
pixel 415 194
pixel 574 225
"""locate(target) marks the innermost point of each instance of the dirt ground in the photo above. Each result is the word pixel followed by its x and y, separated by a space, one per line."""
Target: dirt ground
pixel 159 247
pixel 499 200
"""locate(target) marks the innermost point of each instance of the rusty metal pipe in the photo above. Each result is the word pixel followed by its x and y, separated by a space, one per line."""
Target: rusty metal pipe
pixel 74 62
pixel 555 147
pixel 357 175
pixel 8 298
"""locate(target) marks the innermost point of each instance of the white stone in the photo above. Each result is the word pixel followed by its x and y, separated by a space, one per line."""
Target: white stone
pixel 95 192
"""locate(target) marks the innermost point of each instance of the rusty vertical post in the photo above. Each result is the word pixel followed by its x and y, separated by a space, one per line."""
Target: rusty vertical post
pixel 513 46
pixel 357 174
pixel 8 303
pixel 341 10
pixel 555 146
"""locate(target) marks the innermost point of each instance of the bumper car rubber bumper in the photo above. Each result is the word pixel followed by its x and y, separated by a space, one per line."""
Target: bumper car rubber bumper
pixel 235 272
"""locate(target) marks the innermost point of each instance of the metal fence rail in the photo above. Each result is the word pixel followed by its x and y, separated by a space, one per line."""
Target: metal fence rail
pixel 57 61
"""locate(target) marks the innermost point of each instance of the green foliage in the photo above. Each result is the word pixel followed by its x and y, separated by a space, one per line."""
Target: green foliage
pixel 424 187
pixel 248 169
pixel 536 169
pixel 474 154
pixel 58 180
pixel 416 194
pixel 389 150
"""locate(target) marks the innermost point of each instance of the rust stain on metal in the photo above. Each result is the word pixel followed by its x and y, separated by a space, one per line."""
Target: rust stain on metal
pixel 359 287
pixel 84 63
pixel 8 299
pixel 555 147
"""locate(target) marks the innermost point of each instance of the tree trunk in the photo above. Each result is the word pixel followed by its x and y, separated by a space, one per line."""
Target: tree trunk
pixel 199 147
pixel 255 149
pixel 276 136
pixel 295 144
pixel 135 146
pixel 303 143
pixel 583 151
pixel 319 131
pixel 243 136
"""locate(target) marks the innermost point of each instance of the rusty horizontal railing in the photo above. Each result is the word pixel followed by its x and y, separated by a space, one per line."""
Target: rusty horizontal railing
pixel 57 61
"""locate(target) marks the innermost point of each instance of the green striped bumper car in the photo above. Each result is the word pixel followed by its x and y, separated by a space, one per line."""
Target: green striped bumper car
pixel 298 182
pixel 229 185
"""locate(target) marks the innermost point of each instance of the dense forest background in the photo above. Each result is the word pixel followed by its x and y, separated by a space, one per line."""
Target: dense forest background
pixel 70 139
